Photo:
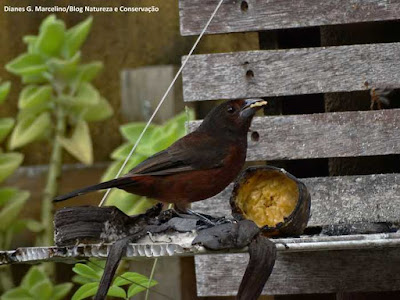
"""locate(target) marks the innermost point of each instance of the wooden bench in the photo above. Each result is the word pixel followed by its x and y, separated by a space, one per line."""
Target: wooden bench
pixel 348 266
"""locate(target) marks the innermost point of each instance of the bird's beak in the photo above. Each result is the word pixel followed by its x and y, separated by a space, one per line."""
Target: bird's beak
pixel 251 106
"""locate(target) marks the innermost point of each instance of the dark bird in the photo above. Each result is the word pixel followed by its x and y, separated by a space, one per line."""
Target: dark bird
pixel 197 166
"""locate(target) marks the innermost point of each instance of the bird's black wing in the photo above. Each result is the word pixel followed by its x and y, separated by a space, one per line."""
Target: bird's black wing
pixel 196 151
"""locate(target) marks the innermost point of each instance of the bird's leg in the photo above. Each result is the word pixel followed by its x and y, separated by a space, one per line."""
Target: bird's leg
pixel 204 218
pixel 207 219
pixel 214 221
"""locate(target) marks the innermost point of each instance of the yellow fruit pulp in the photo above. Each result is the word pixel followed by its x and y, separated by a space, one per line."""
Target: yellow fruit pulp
pixel 267 197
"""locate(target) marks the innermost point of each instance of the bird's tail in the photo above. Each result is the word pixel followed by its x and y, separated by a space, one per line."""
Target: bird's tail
pixel 118 182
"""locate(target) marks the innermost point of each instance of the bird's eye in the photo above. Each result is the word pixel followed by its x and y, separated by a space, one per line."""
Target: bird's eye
pixel 231 109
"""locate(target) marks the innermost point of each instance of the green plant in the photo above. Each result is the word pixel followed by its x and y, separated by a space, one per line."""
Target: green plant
pixel 57 91
pixel 12 200
pixel 89 276
pixel 157 138
pixel 36 285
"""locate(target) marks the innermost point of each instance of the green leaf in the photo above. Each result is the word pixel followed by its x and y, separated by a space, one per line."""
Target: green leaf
pixel 90 289
pixel 12 209
pixel 76 36
pixel 88 72
pixel 86 290
pixel 86 271
pixel 164 137
pixel 6 194
pixel 18 293
pixel 122 152
pixel 42 290
pixel 132 131
pixel 86 95
pixel 98 112
pixel 97 265
pixel 51 36
pixel 28 130
pixel 34 275
pixel 128 277
pixel 116 291
pixel 5 88
pixel 61 290
pixel 6 124
pixel 122 200
pixel 157 140
pixel 64 69
pixel 9 162
pixel 140 206
pixel 35 79
pixel 143 285
pixel 80 143
pixel 82 280
pixel 35 97
pixel 48 20
pixel 30 41
pixel 27 64
pixel 180 119
pixel 113 169
pixel 33 225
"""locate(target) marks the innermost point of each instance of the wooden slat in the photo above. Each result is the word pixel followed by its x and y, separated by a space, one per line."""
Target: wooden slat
pixel 340 134
pixel 278 14
pixel 344 199
pixel 291 72
pixel 140 95
pixel 305 272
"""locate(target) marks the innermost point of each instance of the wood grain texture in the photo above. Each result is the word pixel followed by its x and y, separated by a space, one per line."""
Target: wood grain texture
pixel 339 134
pixel 140 94
pixel 342 199
pixel 291 72
pixel 278 14
pixel 305 272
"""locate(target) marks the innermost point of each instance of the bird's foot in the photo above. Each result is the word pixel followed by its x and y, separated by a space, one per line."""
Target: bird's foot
pixel 209 220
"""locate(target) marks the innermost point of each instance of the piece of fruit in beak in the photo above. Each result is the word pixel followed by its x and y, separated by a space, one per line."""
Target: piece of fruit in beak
pixel 259 104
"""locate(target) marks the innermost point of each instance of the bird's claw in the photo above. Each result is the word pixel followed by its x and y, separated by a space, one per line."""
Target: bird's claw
pixel 209 220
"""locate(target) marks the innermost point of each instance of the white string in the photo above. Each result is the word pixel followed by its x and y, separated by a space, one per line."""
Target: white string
pixel 163 99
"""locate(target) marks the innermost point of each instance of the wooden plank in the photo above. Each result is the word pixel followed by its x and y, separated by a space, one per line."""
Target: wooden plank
pixel 342 199
pixel 305 272
pixel 143 87
pixel 339 134
pixel 257 15
pixel 290 72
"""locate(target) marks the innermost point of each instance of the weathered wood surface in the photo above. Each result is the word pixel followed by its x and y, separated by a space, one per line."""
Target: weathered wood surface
pixel 304 272
pixel 344 199
pixel 340 134
pixel 142 89
pixel 257 15
pixel 291 72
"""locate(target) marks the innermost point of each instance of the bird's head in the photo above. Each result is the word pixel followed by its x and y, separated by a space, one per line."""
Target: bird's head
pixel 232 117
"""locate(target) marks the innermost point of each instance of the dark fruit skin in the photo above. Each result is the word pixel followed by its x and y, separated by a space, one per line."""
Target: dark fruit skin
pixel 295 223
pixel 197 166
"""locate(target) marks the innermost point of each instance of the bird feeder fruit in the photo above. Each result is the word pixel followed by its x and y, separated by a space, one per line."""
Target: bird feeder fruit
pixel 272 198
